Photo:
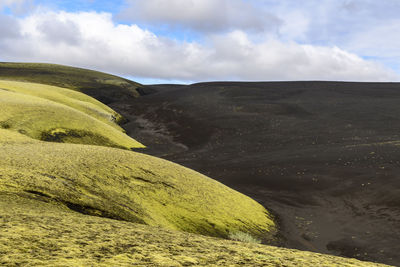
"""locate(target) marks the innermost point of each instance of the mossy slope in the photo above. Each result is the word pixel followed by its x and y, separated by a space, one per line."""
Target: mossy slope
pixel 127 186
pixel 104 87
pixel 55 114
pixel 68 97
pixel 38 233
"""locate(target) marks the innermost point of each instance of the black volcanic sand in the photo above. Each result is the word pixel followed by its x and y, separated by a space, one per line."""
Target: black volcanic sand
pixel 323 156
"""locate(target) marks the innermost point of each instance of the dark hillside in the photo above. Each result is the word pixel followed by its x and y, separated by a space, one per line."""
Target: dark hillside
pixel 325 156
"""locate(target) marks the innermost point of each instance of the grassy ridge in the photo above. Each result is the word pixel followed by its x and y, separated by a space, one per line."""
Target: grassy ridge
pixel 55 114
pixel 104 87
pixel 35 232
pixel 127 186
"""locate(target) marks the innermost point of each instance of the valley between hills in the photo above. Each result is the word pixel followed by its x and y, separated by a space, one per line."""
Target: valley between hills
pixel 97 170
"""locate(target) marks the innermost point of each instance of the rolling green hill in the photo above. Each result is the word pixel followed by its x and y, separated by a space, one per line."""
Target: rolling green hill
pixel 68 97
pixel 55 114
pixel 104 87
pixel 129 186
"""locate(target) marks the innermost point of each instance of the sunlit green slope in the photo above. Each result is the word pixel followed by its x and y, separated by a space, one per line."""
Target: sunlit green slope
pixel 104 87
pixel 56 114
pixel 129 186
pixel 67 97
pixel 37 232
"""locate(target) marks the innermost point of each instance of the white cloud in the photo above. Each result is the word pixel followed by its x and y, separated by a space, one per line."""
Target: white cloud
pixel 11 2
pixel 379 40
pixel 17 6
pixel 370 23
pixel 275 60
pixel 202 15
pixel 365 27
pixel 93 40
pixel 9 27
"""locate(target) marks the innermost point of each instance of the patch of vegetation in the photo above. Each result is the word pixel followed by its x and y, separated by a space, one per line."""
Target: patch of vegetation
pixel 55 114
pixel 104 87
pixel 129 186
pixel 243 237
pixel 61 135
pixel 5 125
pixel 40 232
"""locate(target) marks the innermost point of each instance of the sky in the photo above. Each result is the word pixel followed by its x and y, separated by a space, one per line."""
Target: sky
pixel 186 41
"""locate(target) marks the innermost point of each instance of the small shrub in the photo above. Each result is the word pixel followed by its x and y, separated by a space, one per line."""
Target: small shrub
pixel 244 237
pixel 5 125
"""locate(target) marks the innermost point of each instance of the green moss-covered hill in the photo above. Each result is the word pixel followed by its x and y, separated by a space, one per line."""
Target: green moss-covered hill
pixel 56 114
pixel 104 87
pixel 126 185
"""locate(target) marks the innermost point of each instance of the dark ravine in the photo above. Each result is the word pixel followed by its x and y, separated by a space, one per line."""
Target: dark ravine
pixel 324 156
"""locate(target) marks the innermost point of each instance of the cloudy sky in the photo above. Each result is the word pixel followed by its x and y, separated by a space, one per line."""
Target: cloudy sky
pixel 187 41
